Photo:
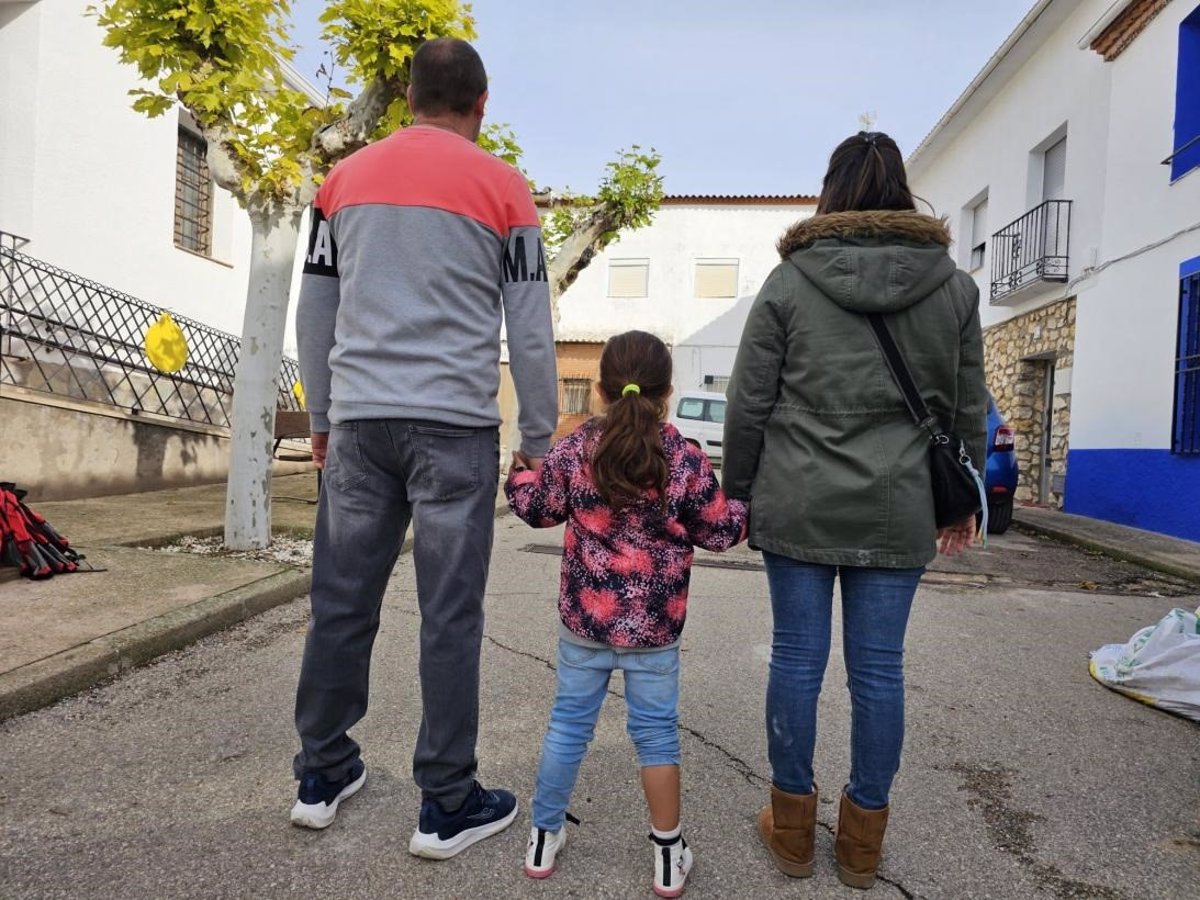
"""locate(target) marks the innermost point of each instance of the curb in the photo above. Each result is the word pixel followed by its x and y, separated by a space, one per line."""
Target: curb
pixel 49 680
pixel 46 681
pixel 1116 551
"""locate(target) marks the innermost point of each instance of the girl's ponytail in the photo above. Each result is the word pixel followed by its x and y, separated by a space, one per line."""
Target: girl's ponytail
pixel 635 381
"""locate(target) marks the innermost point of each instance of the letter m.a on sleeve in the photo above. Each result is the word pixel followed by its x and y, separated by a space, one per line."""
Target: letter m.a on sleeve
pixel 321 258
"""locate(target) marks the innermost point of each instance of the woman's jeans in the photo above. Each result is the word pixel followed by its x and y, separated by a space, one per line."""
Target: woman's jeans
pixel 652 698
pixel 875 607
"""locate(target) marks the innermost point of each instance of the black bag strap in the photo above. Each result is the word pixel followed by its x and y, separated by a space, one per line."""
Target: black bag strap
pixel 903 376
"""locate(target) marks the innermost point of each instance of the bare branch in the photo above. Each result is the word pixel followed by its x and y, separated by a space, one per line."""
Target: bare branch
pixel 353 129
pixel 222 161
pixel 592 234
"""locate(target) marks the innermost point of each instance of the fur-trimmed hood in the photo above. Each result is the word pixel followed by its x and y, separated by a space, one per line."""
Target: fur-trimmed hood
pixel 876 261
pixel 888 225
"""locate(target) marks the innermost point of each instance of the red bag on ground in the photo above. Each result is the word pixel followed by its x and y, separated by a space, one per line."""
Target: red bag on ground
pixel 29 542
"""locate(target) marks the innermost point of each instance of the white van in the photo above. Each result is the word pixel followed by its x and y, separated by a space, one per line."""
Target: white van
pixel 700 418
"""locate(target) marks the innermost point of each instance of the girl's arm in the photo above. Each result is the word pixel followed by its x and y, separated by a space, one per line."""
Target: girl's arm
pixel 542 498
pixel 712 521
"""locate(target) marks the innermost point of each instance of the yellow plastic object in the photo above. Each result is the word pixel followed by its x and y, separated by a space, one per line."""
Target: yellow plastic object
pixel 166 346
pixel 298 393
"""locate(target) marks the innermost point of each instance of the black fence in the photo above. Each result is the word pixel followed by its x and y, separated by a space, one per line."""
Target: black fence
pixel 1032 249
pixel 63 334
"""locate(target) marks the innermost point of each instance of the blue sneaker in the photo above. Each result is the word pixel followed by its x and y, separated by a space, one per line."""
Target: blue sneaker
pixel 318 799
pixel 442 835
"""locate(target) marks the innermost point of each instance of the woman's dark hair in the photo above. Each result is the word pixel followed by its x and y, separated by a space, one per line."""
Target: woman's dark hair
pixel 629 460
pixel 866 172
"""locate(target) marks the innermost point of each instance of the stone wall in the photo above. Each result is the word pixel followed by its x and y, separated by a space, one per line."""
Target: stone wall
pixel 1018 357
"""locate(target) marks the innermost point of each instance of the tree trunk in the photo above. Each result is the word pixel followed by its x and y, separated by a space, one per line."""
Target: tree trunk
pixel 577 252
pixel 255 387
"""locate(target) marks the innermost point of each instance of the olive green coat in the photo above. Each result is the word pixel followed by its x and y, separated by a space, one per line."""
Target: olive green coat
pixel 817 435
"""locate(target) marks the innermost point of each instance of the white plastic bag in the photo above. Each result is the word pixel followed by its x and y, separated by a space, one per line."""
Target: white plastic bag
pixel 1160 665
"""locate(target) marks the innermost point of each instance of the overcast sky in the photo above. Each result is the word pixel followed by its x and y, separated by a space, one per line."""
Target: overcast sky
pixel 739 98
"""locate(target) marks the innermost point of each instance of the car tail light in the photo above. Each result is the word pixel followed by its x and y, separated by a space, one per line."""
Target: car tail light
pixel 1006 438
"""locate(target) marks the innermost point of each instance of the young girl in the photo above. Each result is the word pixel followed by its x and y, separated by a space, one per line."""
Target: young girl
pixel 636 497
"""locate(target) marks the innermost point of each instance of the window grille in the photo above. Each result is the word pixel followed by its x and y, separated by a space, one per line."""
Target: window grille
pixel 193 194
pixel 1187 369
pixel 574 396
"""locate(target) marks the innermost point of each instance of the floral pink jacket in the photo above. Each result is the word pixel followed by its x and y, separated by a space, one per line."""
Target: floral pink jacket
pixel 625 573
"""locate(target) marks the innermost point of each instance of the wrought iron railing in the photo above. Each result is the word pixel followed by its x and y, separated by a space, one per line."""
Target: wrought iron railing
pixel 1031 250
pixel 66 335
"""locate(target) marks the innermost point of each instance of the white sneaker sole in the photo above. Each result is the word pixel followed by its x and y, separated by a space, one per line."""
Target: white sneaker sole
pixel 545 871
pixel 677 890
pixel 430 846
pixel 321 815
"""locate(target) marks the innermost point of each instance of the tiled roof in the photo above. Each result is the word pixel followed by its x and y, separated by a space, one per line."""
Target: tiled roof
pixel 1124 29
pixel 717 200
pixel 741 199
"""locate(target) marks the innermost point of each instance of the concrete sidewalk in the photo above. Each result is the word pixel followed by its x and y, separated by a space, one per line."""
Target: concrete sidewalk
pixel 1158 552
pixel 69 632
pixel 65 634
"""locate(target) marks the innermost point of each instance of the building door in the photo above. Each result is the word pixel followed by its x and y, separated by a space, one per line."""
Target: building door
pixel 1045 481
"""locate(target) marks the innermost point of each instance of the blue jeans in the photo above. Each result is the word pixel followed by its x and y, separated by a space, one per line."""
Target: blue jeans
pixel 652 698
pixel 875 608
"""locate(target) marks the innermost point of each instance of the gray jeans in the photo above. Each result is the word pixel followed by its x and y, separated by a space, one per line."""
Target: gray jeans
pixel 379 475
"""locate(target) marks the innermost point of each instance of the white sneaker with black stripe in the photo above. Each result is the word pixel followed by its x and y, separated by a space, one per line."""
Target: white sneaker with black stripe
pixel 672 862
pixel 542 851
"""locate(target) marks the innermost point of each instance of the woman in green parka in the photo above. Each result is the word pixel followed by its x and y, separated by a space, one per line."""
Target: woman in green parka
pixel 818 438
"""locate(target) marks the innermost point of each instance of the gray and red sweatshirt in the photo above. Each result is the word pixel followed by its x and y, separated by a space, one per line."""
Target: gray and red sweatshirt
pixel 419 244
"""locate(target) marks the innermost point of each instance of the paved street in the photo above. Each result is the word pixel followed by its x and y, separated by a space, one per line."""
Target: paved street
pixel 1022 777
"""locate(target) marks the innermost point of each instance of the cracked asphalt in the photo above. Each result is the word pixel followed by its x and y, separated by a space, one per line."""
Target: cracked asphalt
pixel 1022 778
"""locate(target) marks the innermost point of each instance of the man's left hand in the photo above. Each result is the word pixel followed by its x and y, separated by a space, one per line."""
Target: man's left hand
pixel 320 444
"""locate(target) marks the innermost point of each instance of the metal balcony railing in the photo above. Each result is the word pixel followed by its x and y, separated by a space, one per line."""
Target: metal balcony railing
pixel 66 335
pixel 1032 250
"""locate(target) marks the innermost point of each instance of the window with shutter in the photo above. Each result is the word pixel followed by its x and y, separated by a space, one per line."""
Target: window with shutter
pixel 716 278
pixel 628 277
pixel 1054 171
pixel 979 234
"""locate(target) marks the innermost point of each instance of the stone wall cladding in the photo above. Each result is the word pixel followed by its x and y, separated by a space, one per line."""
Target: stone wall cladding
pixel 1016 354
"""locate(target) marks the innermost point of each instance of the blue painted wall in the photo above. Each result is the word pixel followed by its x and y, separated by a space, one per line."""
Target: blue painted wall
pixel 1151 489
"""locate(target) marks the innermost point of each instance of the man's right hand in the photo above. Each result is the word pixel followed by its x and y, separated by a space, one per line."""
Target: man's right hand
pixel 320 443
pixel 534 463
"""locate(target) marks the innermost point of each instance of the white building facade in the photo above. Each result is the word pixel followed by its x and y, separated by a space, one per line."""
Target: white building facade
pixel 1070 172
pixel 92 187
pixel 688 277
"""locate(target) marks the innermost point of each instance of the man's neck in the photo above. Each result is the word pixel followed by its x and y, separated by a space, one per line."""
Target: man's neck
pixel 460 125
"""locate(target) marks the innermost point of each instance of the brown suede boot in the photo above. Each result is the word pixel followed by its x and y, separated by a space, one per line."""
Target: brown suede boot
pixel 787 826
pixel 858 845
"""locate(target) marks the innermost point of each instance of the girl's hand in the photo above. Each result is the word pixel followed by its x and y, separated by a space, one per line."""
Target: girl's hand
pixel 957 538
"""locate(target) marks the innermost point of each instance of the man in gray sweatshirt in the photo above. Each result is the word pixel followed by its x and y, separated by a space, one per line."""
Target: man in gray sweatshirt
pixel 420 244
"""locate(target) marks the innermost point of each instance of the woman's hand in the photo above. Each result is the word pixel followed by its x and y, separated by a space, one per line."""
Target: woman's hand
pixel 957 538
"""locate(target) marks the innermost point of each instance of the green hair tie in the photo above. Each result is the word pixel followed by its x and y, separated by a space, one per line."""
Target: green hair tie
pixel 630 389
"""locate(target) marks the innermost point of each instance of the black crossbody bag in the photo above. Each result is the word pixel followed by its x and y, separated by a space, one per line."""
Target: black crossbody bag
pixel 958 491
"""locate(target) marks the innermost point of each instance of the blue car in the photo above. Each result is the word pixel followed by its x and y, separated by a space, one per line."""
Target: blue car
pixel 1000 475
